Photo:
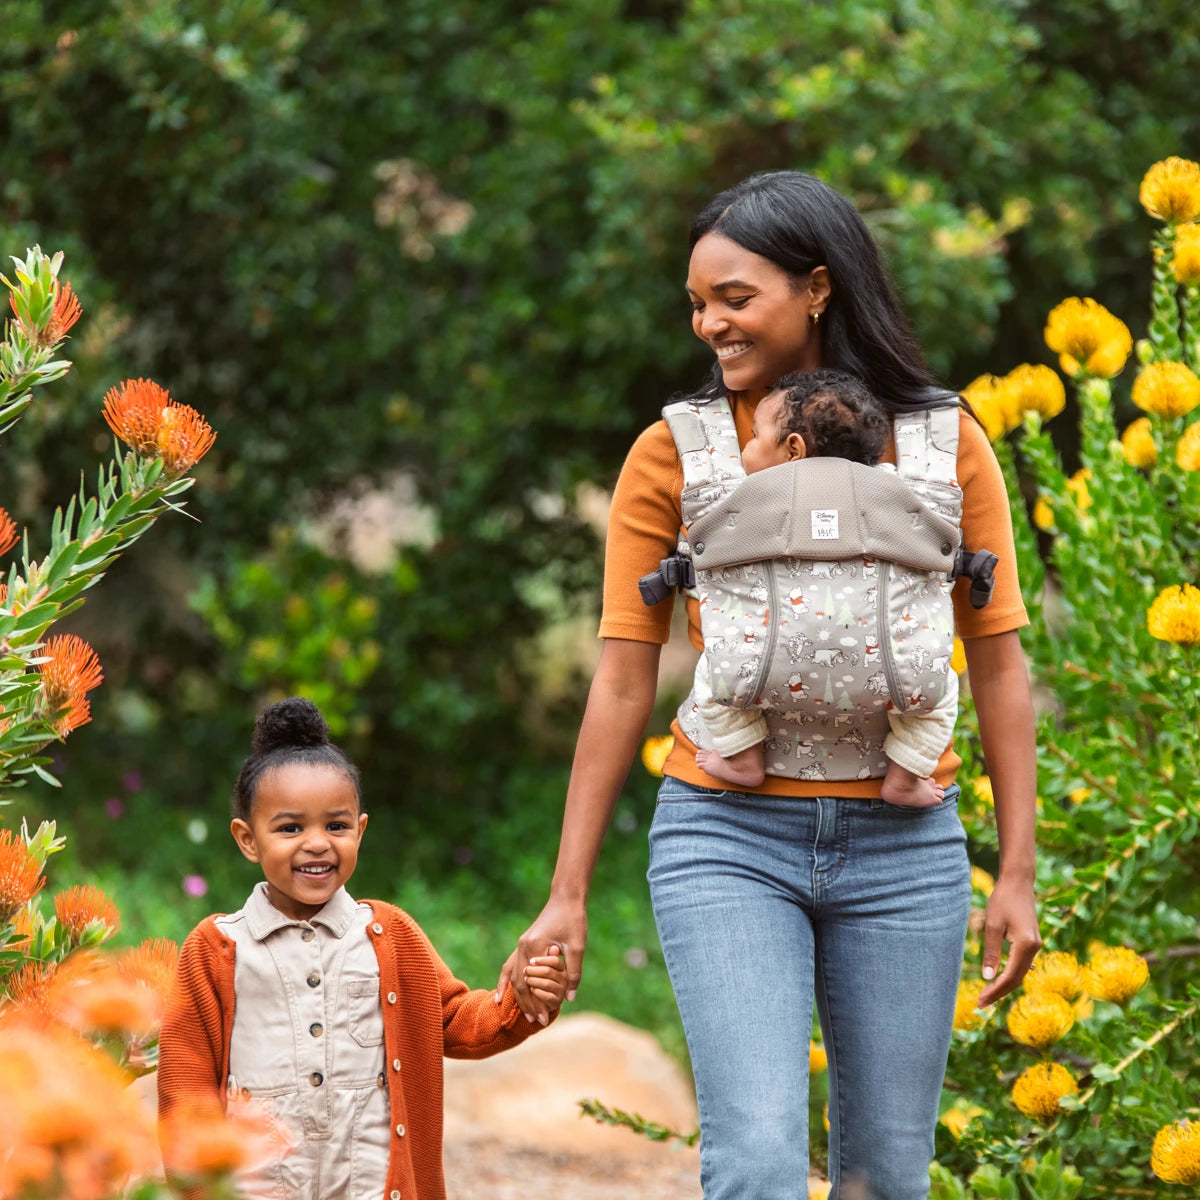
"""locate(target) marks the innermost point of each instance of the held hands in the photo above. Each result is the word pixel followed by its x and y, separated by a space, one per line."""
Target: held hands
pixel 562 926
pixel 1011 917
pixel 546 978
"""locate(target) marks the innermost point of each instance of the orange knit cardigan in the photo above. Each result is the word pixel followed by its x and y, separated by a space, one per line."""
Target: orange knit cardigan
pixel 432 1014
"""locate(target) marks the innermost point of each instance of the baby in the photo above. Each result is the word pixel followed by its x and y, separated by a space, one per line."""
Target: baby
pixel 823 414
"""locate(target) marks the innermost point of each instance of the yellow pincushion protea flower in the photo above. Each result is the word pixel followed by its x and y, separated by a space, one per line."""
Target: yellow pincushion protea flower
pixel 957 1119
pixel 1187 453
pixel 1056 971
pixel 1039 1088
pixel 982 881
pixel 655 751
pixel 1175 1156
pixel 1175 615
pixel 1043 514
pixel 1138 445
pixel 1115 973
pixel 1037 388
pixel 1170 190
pixel 818 1060
pixel 983 789
pixel 967 1015
pixel 1077 485
pixel 1166 389
pixel 958 657
pixel 1040 1019
pixel 818 1189
pixel 1088 339
pixel 994 402
pixel 1186 263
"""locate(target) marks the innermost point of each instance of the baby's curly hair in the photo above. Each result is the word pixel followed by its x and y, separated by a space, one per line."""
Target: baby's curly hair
pixel 835 414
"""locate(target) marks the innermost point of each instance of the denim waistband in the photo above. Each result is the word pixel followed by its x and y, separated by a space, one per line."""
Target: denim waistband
pixel 678 790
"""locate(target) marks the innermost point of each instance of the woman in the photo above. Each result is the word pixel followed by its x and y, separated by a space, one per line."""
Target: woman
pixel 770 898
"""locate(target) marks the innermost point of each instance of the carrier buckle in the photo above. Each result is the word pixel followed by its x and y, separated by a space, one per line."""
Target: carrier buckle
pixel 677 571
pixel 979 566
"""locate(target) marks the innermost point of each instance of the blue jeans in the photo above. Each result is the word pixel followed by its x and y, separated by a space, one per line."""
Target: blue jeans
pixel 764 902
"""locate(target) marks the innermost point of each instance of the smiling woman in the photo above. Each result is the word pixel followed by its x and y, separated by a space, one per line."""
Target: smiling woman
pixel 760 321
pixel 814 885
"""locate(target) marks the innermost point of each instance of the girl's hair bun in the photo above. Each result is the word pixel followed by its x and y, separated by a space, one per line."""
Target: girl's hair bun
pixel 291 723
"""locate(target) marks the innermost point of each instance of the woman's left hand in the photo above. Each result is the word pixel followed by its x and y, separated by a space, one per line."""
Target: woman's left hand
pixel 1011 917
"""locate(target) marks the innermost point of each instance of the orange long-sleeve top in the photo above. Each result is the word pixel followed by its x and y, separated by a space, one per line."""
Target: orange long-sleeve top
pixel 427 1013
pixel 645 525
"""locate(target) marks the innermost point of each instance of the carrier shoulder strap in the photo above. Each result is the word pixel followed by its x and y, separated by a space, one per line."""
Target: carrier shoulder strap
pixel 706 437
pixel 927 440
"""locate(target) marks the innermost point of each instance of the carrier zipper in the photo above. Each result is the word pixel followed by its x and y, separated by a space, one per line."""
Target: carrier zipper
pixel 764 666
pixel 885 642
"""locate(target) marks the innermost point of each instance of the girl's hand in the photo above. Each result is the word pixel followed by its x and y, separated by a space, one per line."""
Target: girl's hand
pixel 562 924
pixel 546 977
pixel 1011 917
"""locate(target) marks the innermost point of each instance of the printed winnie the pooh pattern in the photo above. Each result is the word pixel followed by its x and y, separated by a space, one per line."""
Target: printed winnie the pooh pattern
pixel 823 645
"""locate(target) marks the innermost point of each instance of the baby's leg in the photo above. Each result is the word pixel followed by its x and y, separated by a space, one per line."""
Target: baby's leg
pixel 914 745
pixel 901 786
pixel 736 734
pixel 745 768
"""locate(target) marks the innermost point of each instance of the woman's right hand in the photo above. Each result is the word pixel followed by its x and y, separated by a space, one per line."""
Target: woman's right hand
pixel 561 923
pixel 619 704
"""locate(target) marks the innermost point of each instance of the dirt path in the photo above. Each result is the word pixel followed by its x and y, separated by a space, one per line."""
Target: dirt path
pixel 491 1170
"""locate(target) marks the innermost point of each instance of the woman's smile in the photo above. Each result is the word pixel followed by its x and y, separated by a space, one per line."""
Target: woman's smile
pixel 754 315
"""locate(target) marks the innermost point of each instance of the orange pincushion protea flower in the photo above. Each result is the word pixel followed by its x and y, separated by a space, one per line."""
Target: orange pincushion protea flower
pixel 184 438
pixel 8 532
pixel 28 986
pixel 70 672
pixel 152 963
pixel 69 1126
pixel 20 874
pixel 92 995
pixel 65 313
pixel 81 909
pixel 132 410
pixel 199 1140
pixel 146 419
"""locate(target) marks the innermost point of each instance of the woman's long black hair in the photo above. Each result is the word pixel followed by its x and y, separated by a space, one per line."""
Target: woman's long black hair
pixel 800 223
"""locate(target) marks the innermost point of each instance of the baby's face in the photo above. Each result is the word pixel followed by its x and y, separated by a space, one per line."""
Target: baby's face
pixel 766 448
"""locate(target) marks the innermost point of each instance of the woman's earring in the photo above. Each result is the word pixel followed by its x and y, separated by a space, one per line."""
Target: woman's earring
pixel 815 315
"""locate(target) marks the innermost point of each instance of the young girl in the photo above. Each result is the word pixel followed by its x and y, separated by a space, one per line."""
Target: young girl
pixel 327 1014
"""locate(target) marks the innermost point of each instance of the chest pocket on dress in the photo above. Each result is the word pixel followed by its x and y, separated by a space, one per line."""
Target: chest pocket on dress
pixel 366 1013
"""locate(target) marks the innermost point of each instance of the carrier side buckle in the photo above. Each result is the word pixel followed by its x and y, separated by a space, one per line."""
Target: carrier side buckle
pixel 677 571
pixel 979 566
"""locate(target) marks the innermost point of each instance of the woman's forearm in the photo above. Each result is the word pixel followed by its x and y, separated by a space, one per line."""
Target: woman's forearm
pixel 620 702
pixel 1000 689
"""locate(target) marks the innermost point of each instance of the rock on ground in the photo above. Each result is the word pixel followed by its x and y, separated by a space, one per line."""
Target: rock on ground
pixel 513 1125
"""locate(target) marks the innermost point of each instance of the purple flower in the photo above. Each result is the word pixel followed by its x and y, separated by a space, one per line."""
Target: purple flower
pixel 132 781
pixel 114 808
pixel 194 885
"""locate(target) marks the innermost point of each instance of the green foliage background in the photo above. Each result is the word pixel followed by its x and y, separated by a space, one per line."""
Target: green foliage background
pixel 211 169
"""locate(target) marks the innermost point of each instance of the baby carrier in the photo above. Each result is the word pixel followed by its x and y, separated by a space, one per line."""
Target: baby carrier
pixel 824 585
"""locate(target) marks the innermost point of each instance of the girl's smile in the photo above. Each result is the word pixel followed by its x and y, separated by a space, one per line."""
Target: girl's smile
pixel 304 831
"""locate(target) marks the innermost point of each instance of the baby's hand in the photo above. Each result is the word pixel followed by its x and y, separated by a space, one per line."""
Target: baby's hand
pixel 547 978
